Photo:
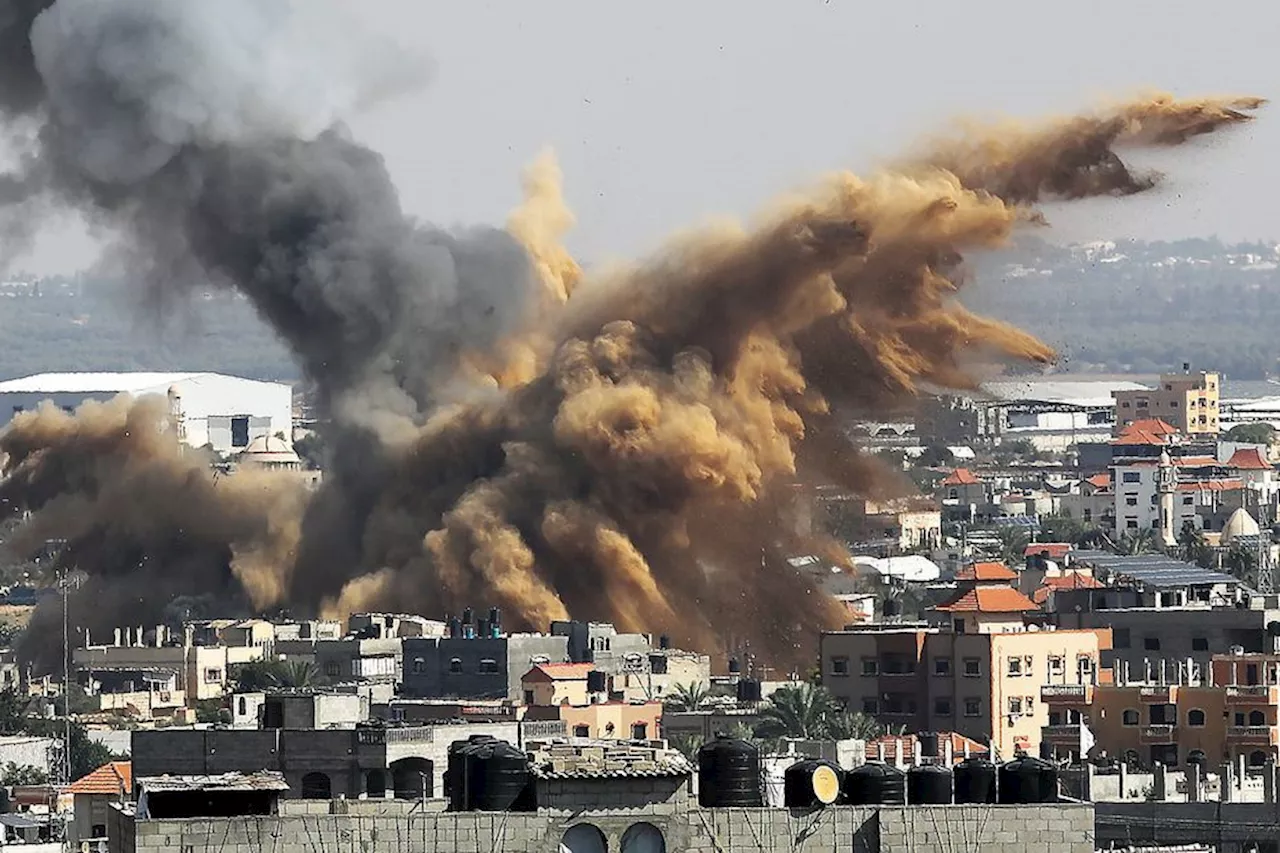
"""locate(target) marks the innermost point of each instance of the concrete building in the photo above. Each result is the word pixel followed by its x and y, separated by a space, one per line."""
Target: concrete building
pixel 298 709
pixel 224 412
pixel 1188 400
pixel 92 796
pixel 476 667
pixel 1227 713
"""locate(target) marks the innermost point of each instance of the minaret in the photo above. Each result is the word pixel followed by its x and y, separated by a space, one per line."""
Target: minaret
pixel 1166 484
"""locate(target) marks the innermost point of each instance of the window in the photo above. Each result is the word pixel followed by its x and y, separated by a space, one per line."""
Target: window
pixel 1162 715
pixel 488 666
pixel 973 707
pixel 1088 514
pixel 331 668
pixel 1131 523
pixel 419 666
pixel 1131 477
pixel 898 665
pixel 1195 717
pixel 99 830
pixel 942 707
pixel 455 665
pixel 1129 717
pixel 639 731
pixel 1055 718
pixel 581 730
pixel 1151 644
pixel 1015 666
pixel 1257 718
pixel 213 676
pixel 942 666
pixel 1056 665
pixel 1131 500
pixel 1015 705
pixel 240 431
pixel 870 706
pixel 840 666
pixel 1188 500
pixel 870 667
pixel 1120 638
pixel 972 667
pixel 242 707
pixel 1199 644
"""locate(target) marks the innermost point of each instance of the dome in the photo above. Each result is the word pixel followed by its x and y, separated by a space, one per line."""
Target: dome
pixel 270 450
pixel 1239 524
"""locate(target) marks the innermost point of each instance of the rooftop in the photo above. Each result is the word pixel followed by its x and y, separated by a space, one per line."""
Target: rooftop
pixel 1055 550
pixel 1099 481
pixel 986 572
pixel 261 780
pixel 988 599
pixel 1248 459
pixel 961 477
pixel 1154 570
pixel 606 759
pixel 903 747
pixel 1083 393
pixel 561 671
pixel 74 383
pixel 1154 426
pixel 113 778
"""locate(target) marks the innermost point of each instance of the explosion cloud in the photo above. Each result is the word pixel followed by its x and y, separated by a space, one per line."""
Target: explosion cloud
pixel 505 428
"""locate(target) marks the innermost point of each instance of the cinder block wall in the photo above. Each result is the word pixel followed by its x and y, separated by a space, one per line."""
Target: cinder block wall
pixel 1066 828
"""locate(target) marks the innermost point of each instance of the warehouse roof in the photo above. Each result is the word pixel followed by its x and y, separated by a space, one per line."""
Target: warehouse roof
pixel 1154 570
pixel 101 383
pixel 1084 393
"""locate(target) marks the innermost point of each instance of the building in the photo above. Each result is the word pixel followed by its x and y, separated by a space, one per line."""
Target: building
pixel 983 685
pixel 576 777
pixel 299 709
pixel 1188 401
pixel 224 412
pixel 92 796
pixel 984 601
pixel 471 667
pixel 1226 713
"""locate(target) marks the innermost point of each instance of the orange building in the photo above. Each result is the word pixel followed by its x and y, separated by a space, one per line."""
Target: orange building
pixel 562 691
pixel 1229 714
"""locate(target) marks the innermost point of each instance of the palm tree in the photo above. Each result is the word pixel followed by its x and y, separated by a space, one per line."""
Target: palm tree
pixel 686 697
pixel 800 712
pixel 1140 541
pixel 852 724
pixel 1195 548
pixel 293 674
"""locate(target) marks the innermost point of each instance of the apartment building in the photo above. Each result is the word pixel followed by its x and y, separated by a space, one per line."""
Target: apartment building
pixel 1182 715
pixel 1188 401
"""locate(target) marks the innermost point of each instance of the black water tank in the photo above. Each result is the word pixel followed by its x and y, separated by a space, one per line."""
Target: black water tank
pixel 596 682
pixel 1028 780
pixel 498 777
pixel 729 774
pixel 809 784
pixel 467 616
pixel 664 642
pixel 495 617
pixel 455 628
pixel 975 780
pixel 929 785
pixel 927 743
pixel 875 783
pixel 735 666
pixel 891 607
pixel 458 769
pixel 748 690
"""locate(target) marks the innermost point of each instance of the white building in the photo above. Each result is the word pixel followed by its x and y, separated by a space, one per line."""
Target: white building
pixel 226 412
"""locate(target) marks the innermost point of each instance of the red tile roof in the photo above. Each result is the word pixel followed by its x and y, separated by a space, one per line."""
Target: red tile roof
pixel 986 572
pixel 961 477
pixel 1211 486
pixel 1248 459
pixel 988 599
pixel 905 746
pixel 1137 436
pixel 114 778
pixel 1101 481
pixel 1055 550
pixel 1155 426
pixel 1195 461
pixel 1074 580
pixel 559 671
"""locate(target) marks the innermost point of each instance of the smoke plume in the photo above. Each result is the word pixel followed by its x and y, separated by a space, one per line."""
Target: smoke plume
pixel 504 428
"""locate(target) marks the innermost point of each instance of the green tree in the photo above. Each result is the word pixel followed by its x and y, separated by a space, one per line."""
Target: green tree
pixel 1140 541
pixel 802 711
pixel 1195 548
pixel 852 724
pixel 1241 562
pixel 13 711
pixel 1259 433
pixel 686 697
pixel 22 774
pixel 295 675
pixel 1061 528
pixel 1013 545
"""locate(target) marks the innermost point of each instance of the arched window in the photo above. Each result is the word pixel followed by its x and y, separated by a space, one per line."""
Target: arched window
pixel 315 786
pixel 1195 717
pixel 1257 718
pixel 643 838
pixel 1196 756
pixel 1130 717
pixel 412 778
pixel 583 838
pixel 1257 758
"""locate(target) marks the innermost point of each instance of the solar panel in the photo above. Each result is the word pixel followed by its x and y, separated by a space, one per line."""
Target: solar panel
pixel 1154 570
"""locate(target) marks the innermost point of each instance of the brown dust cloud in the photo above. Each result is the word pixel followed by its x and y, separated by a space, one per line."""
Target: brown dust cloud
pixel 505 428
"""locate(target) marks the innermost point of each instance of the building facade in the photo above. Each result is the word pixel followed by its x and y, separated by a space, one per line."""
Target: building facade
pixel 1188 401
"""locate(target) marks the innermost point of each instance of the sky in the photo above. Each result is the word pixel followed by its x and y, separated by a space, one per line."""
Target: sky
pixel 666 114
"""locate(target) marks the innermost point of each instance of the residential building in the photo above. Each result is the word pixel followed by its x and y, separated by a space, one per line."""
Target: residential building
pixel 92 797
pixel 978 676
pixel 1226 712
pixel 1092 501
pixel 298 709
pixel 560 684
pixel 984 601
pixel 469 667
pixel 1187 400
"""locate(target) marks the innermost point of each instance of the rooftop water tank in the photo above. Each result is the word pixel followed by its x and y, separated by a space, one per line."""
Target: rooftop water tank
pixel 729 774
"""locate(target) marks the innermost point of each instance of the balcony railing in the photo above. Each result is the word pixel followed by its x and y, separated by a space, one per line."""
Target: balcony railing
pixel 1253 734
pixel 1066 693
pixel 1252 694
pixel 1165 694
pixel 1061 734
pixel 1158 733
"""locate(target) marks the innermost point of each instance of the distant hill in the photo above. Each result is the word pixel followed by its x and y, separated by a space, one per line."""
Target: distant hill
pixel 1136 307
pixel 1129 307
pixel 59 324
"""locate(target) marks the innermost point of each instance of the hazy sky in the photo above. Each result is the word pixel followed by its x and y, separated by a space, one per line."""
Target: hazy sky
pixel 666 113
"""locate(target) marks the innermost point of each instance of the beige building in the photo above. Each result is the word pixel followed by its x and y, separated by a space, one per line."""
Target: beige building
pixel 557 684
pixel 1228 713
pixel 1188 401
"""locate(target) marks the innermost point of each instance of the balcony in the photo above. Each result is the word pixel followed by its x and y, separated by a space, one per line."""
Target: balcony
pixel 1158 733
pixel 1159 694
pixel 1253 694
pixel 1066 694
pixel 1061 735
pixel 1261 735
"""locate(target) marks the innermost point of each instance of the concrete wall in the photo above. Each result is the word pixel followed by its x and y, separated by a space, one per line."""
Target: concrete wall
pixel 428 674
pixel 1232 827
pixel 992 829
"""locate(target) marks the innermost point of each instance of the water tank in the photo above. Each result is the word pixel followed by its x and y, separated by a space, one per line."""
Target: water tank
pixel 875 783
pixel 495 617
pixel 735 666
pixel 497 777
pixel 891 607
pixel 455 627
pixel 664 642
pixel 975 781
pixel 1028 780
pixel 927 743
pixel 748 690
pixel 729 774
pixel 929 785
pixel 457 770
pixel 468 616
pixel 596 681
pixel 809 784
